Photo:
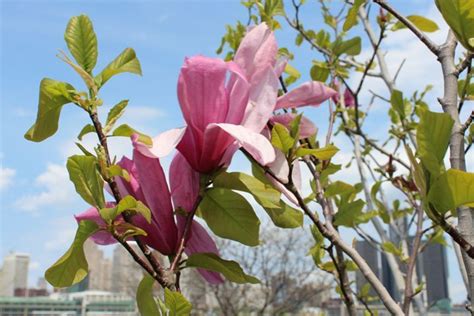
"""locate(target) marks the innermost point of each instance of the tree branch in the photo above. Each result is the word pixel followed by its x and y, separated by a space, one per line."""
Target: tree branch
pixel 421 36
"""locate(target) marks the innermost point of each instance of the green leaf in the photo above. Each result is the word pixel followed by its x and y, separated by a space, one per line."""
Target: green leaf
pixel 89 128
pixel 263 192
pixel 324 153
pixel 82 42
pixel 146 302
pixel 459 14
pixel 452 189
pixel 292 71
pixel 468 87
pixel 88 80
pixel 285 216
pixel 84 150
pixel 126 131
pixel 422 23
pixel 128 230
pixel 348 214
pixel 72 267
pixel 384 214
pixel 230 216
pixel 127 61
pixel 281 138
pixel 433 134
pixel 417 172
pixel 391 248
pixel 398 103
pixel 53 95
pixel 129 203
pixel 114 114
pixel 351 18
pixel 177 304
pixel 116 170
pixel 87 181
pixel 319 73
pixel 231 270
pixel 351 47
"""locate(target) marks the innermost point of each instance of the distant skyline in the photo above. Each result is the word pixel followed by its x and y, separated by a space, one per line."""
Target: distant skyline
pixel 37 200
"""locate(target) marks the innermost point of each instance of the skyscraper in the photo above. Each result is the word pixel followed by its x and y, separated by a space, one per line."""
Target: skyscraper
pixel 14 273
pixel 372 256
pixel 126 273
pixel 100 273
pixel 431 267
pixel 435 270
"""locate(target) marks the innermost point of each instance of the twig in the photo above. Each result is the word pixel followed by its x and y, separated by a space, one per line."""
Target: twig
pixel 335 238
pixel 186 231
pixel 156 271
pixel 421 36
pixel 464 64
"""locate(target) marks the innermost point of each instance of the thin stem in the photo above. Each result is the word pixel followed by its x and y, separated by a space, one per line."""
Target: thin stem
pixel 421 36
pixel 331 234
pixel 186 232
pixel 157 270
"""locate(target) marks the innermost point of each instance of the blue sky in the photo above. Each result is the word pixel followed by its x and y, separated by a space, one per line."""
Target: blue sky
pixel 37 201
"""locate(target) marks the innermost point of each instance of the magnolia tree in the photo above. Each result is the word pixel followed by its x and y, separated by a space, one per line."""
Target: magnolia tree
pixel 247 102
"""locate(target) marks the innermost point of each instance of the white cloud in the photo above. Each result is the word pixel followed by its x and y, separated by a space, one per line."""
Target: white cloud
pixel 56 190
pixel 6 177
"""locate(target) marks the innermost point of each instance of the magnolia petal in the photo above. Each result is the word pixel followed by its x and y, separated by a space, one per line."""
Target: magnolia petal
pixel 280 65
pixel 257 50
pixel 131 187
pixel 256 144
pixel 163 144
pixel 263 97
pixel 202 91
pixel 92 214
pixel 158 199
pixel 200 241
pixel 307 128
pixel 184 183
pixel 309 93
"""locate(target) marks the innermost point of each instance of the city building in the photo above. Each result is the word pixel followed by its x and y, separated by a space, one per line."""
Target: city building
pixel 100 272
pixel 88 303
pixel 14 273
pixel 126 273
pixel 431 268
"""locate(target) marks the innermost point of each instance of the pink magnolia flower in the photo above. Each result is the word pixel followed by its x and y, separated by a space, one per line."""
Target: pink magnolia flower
pixel 349 100
pixel 148 185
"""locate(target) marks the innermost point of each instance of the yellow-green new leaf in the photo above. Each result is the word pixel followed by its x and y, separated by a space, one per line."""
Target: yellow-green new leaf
pixel 230 216
pixel 452 189
pixel 72 267
pixel 263 192
pixel 281 138
pixel 324 153
pixel 114 114
pixel 89 128
pixel 145 301
pixel 127 131
pixel 422 23
pixel 127 61
pixel 53 95
pixel 459 14
pixel 82 42
pixel 129 203
pixel 86 179
pixel 351 18
pixel 432 135
pixel 231 270
pixel 177 304
pixel 285 216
